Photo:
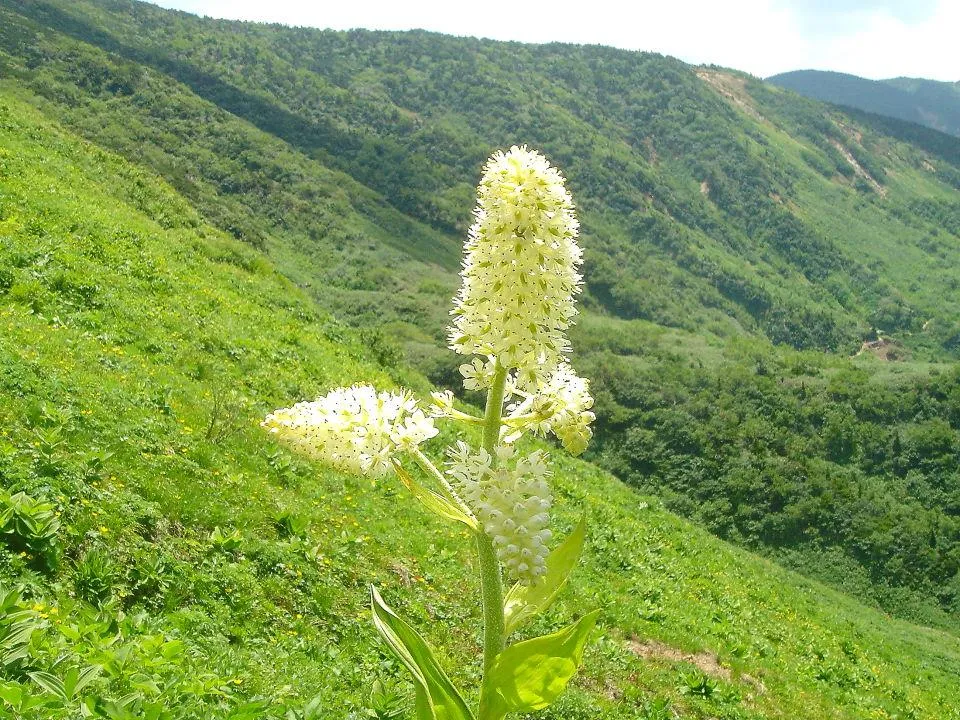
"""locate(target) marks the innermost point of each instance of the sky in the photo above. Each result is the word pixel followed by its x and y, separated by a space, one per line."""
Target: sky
pixel 874 39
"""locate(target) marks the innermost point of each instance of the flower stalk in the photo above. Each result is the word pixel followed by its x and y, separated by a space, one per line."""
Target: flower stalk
pixel 428 467
pixel 520 275
pixel 491 586
pixel 494 410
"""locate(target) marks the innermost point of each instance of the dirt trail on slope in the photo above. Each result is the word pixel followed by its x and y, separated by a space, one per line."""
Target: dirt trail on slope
pixel 733 88
pixel 706 662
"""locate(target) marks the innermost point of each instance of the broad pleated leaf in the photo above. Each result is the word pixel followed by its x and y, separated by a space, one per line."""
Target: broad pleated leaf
pixel 523 602
pixel 50 683
pixel 437 698
pixel 531 674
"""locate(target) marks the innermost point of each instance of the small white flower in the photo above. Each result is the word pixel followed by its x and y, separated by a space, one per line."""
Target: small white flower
pixel 477 375
pixel 415 429
pixel 441 405
pixel 354 429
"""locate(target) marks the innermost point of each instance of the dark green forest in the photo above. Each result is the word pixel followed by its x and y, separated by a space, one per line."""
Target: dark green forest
pixel 742 245
pixel 824 465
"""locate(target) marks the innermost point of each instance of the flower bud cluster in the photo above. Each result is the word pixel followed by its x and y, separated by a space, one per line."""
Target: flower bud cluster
pixel 511 499
pixel 561 405
pixel 354 429
pixel 565 404
pixel 520 269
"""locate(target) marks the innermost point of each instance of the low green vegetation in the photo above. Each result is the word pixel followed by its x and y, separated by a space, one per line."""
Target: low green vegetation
pixel 161 557
pixel 727 223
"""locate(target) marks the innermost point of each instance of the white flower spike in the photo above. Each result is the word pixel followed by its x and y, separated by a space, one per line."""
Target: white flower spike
pixel 520 270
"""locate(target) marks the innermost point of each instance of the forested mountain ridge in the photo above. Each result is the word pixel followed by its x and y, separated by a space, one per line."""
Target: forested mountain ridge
pixel 925 102
pixel 726 223
pixel 712 179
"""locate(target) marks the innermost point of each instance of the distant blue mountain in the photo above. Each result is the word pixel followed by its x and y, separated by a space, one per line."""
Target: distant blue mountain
pixel 925 102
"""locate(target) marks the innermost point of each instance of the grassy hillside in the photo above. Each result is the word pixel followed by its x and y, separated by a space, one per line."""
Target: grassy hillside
pixel 201 571
pixel 726 224
pixel 925 102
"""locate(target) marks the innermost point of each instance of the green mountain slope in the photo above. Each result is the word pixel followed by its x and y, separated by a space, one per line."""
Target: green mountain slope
pixel 203 572
pixel 939 101
pixel 925 102
pixel 741 198
pixel 725 222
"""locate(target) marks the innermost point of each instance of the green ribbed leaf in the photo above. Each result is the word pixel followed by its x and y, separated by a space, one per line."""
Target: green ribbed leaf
pixel 437 698
pixel 51 683
pixel 434 501
pixel 530 675
pixel 523 602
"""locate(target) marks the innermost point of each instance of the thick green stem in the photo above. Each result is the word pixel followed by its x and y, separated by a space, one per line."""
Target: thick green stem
pixel 491 588
pixel 491 585
pixel 494 411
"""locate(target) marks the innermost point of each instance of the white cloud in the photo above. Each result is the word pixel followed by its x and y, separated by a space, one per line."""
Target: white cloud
pixel 885 46
pixel 763 37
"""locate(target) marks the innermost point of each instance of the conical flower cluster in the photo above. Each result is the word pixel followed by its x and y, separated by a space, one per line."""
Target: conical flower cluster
pixel 511 499
pixel 354 429
pixel 520 269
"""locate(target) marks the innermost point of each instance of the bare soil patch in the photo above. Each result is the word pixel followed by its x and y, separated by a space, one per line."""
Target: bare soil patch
pixel 858 168
pixel 884 348
pixel 733 88
pixel 653 649
pixel 706 662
